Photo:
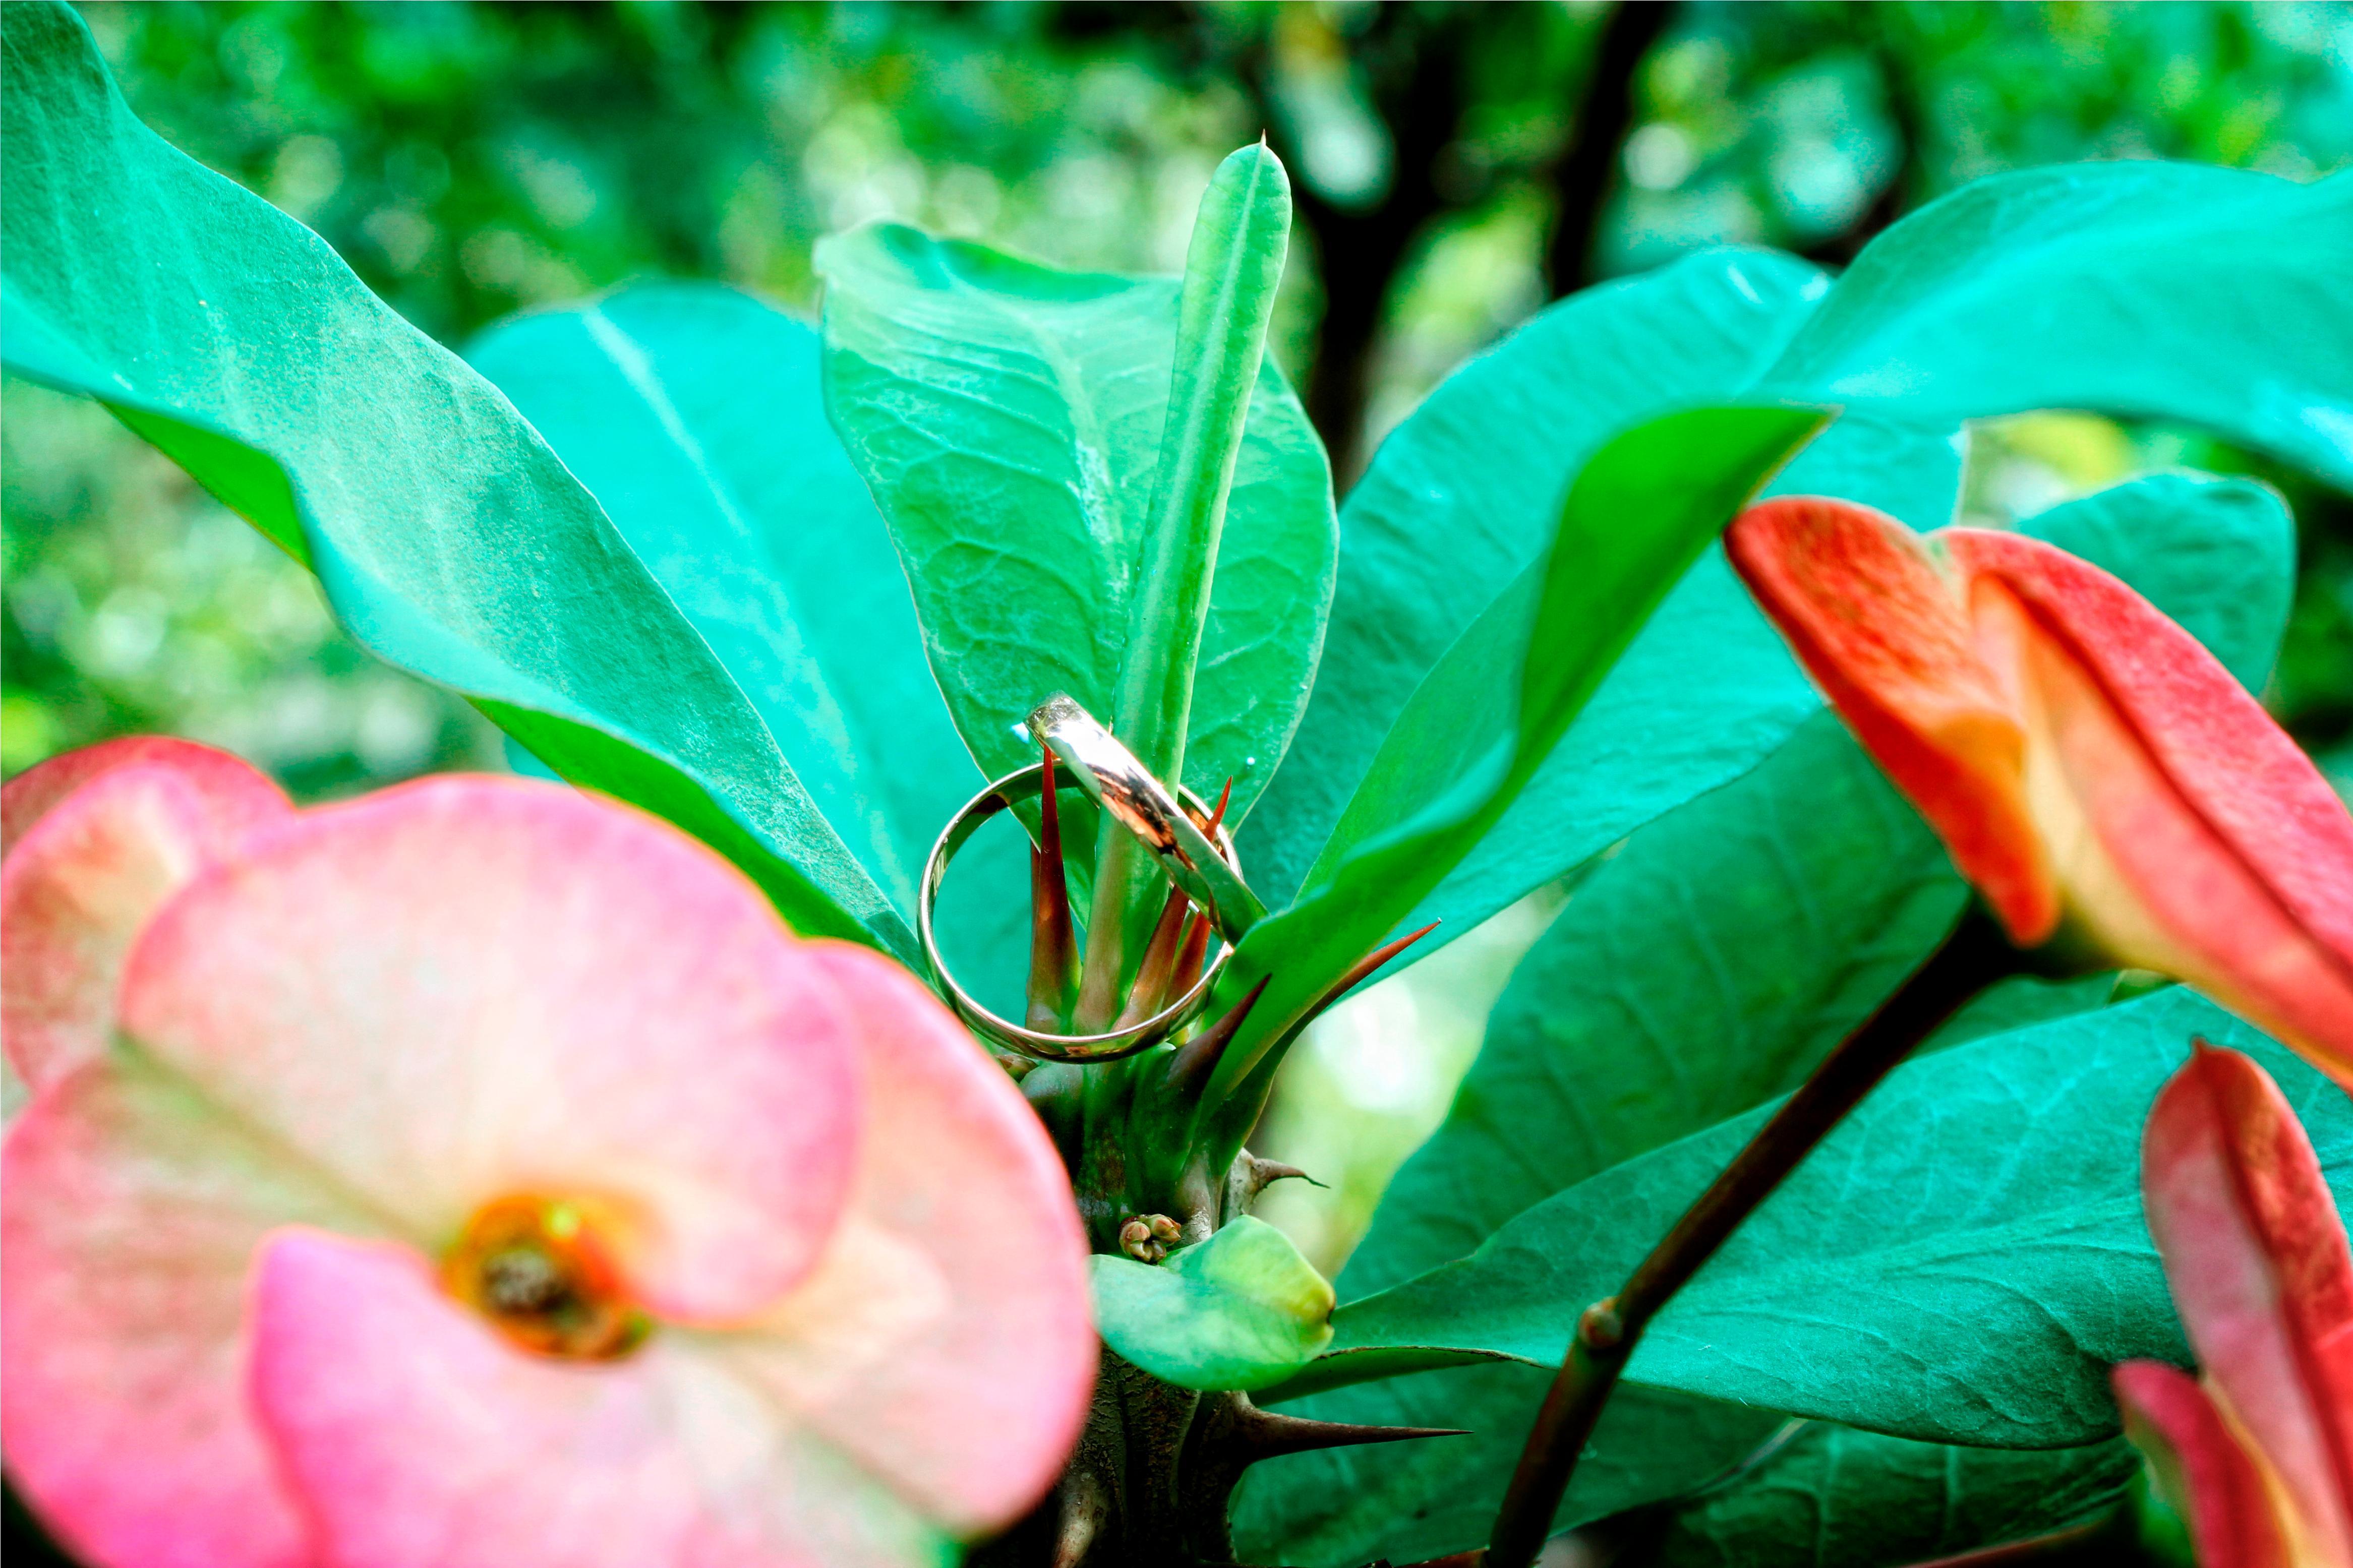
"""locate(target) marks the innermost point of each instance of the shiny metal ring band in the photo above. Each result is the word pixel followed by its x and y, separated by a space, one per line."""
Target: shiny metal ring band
pixel 1126 788
pixel 1002 795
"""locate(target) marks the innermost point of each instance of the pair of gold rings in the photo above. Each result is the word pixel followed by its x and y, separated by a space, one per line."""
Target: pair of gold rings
pixel 1199 859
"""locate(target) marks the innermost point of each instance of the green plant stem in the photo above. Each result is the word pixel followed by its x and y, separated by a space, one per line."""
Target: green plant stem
pixel 1974 956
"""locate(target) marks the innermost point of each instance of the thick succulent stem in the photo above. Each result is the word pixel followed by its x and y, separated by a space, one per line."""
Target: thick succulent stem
pixel 1152 1483
pixel 1972 957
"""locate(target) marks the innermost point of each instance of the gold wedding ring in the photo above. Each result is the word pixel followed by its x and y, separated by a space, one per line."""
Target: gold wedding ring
pixel 1202 864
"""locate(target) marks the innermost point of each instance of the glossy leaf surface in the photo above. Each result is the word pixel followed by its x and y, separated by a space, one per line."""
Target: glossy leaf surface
pixel 1008 418
pixel 450 539
pixel 1488 714
pixel 1227 295
pixel 694 414
pixel 2174 291
pixel 1464 496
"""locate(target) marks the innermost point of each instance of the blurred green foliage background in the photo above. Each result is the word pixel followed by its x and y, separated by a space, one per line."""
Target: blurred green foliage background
pixel 1457 166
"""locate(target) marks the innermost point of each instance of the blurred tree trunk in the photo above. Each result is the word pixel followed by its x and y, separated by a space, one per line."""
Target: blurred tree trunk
pixel 1900 94
pixel 1584 176
pixel 1413 64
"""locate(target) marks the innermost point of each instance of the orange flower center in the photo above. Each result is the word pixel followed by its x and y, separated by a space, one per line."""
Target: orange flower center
pixel 536 1268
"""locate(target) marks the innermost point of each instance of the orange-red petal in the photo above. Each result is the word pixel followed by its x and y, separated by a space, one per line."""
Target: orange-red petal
pixel 1880 624
pixel 2081 756
pixel 2190 835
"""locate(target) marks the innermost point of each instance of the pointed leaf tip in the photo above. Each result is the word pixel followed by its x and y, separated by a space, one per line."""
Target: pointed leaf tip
pixel 1196 1061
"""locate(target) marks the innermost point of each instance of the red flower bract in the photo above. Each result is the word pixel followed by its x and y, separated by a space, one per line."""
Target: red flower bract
pixel 2259 1451
pixel 2094 771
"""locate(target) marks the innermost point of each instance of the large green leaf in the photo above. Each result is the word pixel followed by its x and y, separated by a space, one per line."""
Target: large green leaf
pixel 1464 496
pixel 1232 267
pixel 1408 1502
pixel 1489 714
pixel 2156 289
pixel 1704 970
pixel 2214 297
pixel 1961 1261
pixel 1700 972
pixel 448 538
pixel 1007 417
pixel 1836 1497
pixel 1226 297
pixel 694 414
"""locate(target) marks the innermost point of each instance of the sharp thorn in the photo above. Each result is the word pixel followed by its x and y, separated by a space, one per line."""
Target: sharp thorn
pixel 1193 950
pixel 1266 1172
pixel 1364 966
pixel 1053 944
pixel 1269 1434
pixel 1083 1510
pixel 1161 955
pixel 1191 953
pixel 1196 1059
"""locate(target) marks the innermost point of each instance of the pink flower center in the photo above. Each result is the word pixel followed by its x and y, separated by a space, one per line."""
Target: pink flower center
pixel 537 1269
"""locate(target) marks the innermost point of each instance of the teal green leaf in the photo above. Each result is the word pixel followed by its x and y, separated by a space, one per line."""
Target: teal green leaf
pixel 1408 1502
pixel 1008 418
pixel 1705 969
pixel 1232 267
pixel 1464 495
pixel 1836 1497
pixel 2169 291
pixel 1239 1311
pixel 448 538
pixel 2177 291
pixel 1701 971
pixel 1491 710
pixel 1961 1261
pixel 694 414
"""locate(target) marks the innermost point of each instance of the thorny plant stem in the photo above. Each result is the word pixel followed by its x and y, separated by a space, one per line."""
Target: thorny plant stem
pixel 1974 956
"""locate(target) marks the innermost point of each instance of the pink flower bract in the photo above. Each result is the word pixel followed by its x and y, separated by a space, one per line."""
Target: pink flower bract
pixel 274 1295
pixel 2259 1449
